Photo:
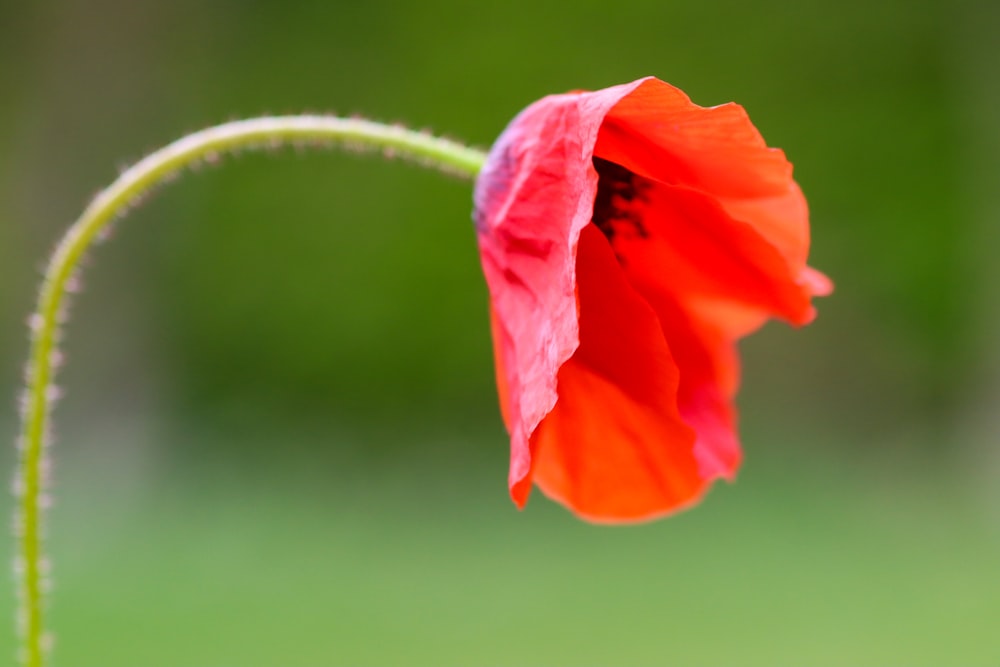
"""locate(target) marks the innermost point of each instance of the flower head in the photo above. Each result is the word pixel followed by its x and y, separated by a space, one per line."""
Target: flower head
pixel 629 238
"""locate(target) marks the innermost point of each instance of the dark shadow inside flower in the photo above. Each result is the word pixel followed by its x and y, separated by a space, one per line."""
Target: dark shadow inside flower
pixel 618 204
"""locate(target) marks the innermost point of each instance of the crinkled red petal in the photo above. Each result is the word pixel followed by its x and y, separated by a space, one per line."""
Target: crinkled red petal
pixel 534 195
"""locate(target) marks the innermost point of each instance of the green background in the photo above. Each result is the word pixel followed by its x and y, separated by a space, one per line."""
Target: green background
pixel 280 441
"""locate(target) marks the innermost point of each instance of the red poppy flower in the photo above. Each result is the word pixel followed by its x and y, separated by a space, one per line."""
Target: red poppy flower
pixel 629 237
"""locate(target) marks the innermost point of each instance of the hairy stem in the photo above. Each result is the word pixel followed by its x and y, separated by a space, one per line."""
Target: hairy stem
pixel 265 132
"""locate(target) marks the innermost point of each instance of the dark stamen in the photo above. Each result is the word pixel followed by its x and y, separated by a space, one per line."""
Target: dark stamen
pixel 620 193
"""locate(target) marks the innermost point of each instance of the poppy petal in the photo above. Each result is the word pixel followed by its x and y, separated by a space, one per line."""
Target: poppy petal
pixel 615 447
pixel 500 367
pixel 656 131
pixel 693 248
pixel 532 198
pixel 782 219
pixel 709 376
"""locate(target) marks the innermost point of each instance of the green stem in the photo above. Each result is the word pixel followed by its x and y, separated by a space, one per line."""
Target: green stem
pixel 265 132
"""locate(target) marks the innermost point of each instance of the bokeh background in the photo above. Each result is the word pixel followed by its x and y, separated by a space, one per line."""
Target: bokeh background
pixel 280 441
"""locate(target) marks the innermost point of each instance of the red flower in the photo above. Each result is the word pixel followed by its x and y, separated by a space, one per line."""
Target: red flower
pixel 629 237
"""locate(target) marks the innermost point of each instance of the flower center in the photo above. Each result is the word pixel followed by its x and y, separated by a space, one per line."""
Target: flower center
pixel 620 197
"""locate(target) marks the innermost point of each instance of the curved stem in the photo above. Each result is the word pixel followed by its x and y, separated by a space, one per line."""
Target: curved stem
pixel 30 484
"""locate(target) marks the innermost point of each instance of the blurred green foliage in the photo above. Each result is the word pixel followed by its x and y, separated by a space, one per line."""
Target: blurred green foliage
pixel 260 560
pixel 329 282
pixel 298 294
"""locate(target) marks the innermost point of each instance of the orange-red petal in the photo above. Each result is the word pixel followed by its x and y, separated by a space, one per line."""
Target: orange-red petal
pixel 696 251
pixel 615 447
pixel 709 374
pixel 656 131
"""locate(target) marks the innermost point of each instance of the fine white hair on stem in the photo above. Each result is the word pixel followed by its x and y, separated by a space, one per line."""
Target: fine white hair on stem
pixel 61 277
